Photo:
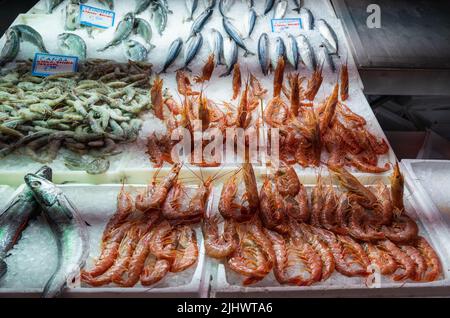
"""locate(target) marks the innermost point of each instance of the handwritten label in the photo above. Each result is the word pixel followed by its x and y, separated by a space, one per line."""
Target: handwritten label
pixel 286 25
pixel 49 64
pixel 95 17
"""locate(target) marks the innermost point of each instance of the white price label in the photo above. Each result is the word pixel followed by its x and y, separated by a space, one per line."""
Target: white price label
pixel 50 64
pixel 286 25
pixel 95 17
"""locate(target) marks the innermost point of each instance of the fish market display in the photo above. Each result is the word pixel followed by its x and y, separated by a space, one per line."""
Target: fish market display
pixel 91 111
pixel 15 216
pixel 69 230
pixel 150 235
pixel 304 240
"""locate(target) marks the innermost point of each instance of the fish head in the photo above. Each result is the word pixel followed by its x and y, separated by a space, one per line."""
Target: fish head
pixel 129 17
pixel 44 191
pixel 45 172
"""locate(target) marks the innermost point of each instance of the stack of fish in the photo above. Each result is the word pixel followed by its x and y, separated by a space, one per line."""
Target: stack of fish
pixel 86 112
pixel 41 195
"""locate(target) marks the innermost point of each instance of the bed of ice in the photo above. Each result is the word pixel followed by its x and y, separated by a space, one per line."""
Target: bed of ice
pixel 33 258
pixel 219 88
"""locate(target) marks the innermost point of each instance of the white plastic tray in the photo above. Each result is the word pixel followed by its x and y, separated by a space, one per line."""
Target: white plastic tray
pixel 228 284
pixel 39 264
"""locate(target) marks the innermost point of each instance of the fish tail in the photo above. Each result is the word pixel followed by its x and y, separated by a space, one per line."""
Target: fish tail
pixel 3 268
pixel 296 9
pixel 247 53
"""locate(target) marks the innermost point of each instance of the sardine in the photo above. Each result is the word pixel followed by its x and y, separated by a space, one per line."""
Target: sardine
pixel 200 22
pixel 107 3
pixel 72 15
pixel 69 229
pixel 141 6
pixel 225 6
pixel 174 51
pixel 216 45
pixel 263 53
pixel 328 35
pixel 193 46
pixel 306 52
pixel 11 48
pixel 231 57
pixel 234 34
pixel 307 19
pixel 123 31
pixel 191 6
pixel 160 19
pixel 135 51
pixel 52 4
pixel 280 51
pixel 281 9
pixel 72 45
pixel 292 52
pixel 325 58
pixel 28 34
pixel 144 30
pixel 297 5
pixel 268 6
pixel 250 22
pixel 209 4
pixel 15 216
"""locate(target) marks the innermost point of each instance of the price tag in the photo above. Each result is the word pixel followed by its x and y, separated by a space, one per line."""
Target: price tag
pixel 286 25
pixel 50 64
pixel 95 17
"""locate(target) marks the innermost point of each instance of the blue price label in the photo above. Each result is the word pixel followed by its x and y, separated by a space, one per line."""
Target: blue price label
pixel 50 64
pixel 286 25
pixel 96 17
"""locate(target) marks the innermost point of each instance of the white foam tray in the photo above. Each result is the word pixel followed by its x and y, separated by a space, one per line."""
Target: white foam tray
pixel 193 282
pixel 226 283
pixel 134 161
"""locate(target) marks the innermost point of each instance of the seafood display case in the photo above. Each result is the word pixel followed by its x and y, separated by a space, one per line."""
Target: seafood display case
pixel 149 227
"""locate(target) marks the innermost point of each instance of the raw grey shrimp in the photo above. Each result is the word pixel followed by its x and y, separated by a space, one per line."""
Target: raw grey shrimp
pixel 219 246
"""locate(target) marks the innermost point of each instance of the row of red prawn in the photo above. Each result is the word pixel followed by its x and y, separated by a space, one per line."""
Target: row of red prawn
pixel 305 129
pixel 197 113
pixel 304 241
pixel 149 236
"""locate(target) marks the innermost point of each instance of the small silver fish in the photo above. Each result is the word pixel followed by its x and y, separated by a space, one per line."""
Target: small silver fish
pixel 325 58
pixel 250 22
pixel 216 45
pixel 231 57
pixel 72 45
pixel 68 228
pixel 307 19
pixel 135 51
pixel 225 6
pixel 279 51
pixel 160 19
pixel 72 15
pixel 328 35
pixel 292 52
pixel 193 46
pixel 191 6
pixel 280 9
pixel 52 4
pixel 263 53
pixel 234 34
pixel 123 31
pixel 200 22
pixel 141 6
pixel 144 30
pixel 297 5
pixel 268 5
pixel 306 52
pixel 11 48
pixel 174 50
pixel 28 34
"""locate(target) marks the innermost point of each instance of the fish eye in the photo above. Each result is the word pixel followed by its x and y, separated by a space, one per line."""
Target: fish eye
pixel 36 184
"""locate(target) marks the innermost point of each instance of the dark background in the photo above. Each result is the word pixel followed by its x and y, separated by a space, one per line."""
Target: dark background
pixel 10 9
